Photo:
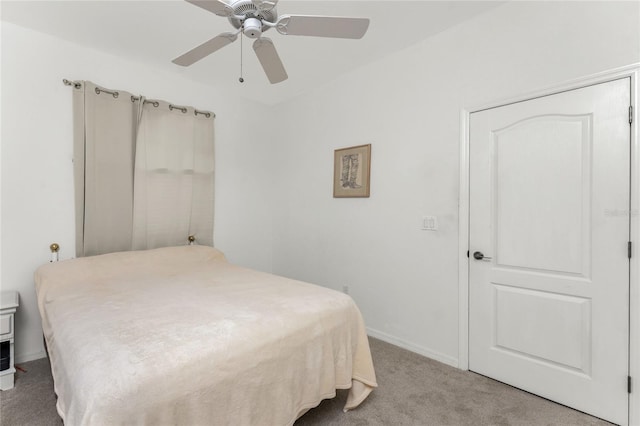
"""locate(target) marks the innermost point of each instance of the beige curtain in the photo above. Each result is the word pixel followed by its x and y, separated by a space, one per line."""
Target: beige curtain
pixel 143 172
pixel 104 132
pixel 174 187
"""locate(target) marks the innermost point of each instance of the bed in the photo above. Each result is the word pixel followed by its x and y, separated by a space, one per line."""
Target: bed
pixel 179 335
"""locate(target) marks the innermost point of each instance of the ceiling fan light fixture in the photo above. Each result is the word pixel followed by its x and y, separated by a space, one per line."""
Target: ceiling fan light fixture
pixel 252 27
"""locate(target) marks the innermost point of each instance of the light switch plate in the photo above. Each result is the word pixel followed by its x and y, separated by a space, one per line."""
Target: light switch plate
pixel 430 223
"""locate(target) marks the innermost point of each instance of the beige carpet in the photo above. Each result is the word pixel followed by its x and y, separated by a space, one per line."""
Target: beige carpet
pixel 414 390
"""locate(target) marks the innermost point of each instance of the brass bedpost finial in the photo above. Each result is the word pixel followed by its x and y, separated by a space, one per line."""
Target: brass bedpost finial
pixel 191 239
pixel 54 247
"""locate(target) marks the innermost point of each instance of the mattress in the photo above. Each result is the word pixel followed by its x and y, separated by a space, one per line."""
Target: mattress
pixel 179 335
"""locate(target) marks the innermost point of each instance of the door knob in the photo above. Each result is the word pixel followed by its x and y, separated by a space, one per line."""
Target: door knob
pixel 479 256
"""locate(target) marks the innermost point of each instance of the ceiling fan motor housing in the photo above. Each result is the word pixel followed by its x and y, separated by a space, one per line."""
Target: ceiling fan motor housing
pixel 252 23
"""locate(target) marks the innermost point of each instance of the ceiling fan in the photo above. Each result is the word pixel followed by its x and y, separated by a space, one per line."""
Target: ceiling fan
pixel 254 17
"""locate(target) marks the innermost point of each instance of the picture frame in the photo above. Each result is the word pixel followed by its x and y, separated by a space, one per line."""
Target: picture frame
pixel 352 171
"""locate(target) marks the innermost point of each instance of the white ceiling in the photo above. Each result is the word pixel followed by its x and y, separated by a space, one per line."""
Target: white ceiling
pixel 155 32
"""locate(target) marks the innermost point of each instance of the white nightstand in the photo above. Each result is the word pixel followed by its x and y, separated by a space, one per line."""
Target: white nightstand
pixel 8 305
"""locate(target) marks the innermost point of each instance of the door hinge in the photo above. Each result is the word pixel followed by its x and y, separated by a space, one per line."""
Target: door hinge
pixel 629 249
pixel 630 114
pixel 628 384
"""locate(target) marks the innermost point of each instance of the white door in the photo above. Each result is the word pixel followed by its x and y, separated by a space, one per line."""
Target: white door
pixel 549 202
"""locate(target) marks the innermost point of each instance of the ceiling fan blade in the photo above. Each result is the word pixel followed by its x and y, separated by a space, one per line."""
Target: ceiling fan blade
pixel 218 7
pixel 322 26
pixel 205 49
pixel 268 57
pixel 264 5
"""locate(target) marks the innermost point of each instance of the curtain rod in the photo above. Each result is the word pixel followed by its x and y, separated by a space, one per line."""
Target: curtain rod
pixel 77 85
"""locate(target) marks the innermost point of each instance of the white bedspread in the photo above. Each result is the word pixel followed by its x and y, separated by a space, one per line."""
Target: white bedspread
pixel 180 336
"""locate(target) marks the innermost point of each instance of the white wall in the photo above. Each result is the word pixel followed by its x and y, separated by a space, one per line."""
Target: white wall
pixel 408 106
pixel 37 185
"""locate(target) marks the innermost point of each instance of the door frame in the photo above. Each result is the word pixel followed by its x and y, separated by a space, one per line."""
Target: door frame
pixel 631 71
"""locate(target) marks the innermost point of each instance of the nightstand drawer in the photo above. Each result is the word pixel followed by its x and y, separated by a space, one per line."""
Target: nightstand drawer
pixel 6 326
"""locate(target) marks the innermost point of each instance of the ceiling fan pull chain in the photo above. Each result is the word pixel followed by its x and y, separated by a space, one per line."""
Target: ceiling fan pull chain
pixel 241 79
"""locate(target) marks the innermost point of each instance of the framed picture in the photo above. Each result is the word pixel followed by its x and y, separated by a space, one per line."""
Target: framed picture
pixel 352 171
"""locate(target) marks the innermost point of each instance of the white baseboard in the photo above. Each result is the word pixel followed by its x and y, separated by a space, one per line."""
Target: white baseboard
pixel 30 356
pixel 429 353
